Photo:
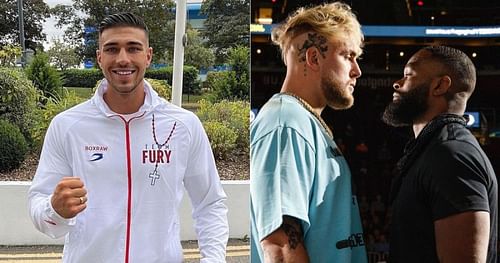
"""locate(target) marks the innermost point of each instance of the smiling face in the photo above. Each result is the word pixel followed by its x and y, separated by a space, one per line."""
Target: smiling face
pixel 339 74
pixel 123 55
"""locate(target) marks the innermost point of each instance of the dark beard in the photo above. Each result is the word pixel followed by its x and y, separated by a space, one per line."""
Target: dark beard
pixel 337 98
pixel 408 108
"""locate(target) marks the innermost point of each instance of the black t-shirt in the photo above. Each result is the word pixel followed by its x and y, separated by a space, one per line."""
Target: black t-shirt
pixel 452 175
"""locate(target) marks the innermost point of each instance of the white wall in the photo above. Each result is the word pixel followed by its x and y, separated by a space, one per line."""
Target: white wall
pixel 16 227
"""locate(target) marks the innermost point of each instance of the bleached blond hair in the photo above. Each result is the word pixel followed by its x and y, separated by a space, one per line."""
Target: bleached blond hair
pixel 331 20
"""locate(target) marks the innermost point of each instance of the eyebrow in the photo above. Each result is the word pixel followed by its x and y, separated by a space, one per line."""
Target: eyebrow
pixel 129 43
pixel 349 51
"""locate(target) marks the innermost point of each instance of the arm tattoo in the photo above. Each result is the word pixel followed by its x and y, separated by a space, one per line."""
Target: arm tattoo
pixel 293 230
pixel 313 40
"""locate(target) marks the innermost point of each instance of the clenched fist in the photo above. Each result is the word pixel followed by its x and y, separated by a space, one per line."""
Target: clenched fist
pixel 69 197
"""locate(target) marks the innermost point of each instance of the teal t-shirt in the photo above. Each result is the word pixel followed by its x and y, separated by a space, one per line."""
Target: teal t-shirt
pixel 296 169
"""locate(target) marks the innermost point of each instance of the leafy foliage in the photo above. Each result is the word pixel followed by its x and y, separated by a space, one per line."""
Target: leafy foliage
pixel 161 86
pixel 233 116
pixel 233 84
pixel 195 54
pixel 222 138
pixel 227 24
pixel 212 77
pixel 190 81
pixel 8 54
pixel 82 77
pixel 18 99
pixel 44 77
pixel 45 115
pixel 62 55
pixel 13 145
pixel 34 13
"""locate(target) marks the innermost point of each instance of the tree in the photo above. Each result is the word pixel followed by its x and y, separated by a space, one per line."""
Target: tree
pixel 44 77
pixel 34 13
pixel 235 83
pixel 239 60
pixel 227 24
pixel 195 53
pixel 156 14
pixel 62 55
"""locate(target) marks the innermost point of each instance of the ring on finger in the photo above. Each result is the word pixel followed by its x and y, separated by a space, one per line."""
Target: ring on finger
pixel 82 200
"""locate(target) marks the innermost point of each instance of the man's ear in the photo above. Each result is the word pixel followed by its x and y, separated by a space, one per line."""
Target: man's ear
pixel 313 58
pixel 442 86
pixel 98 56
pixel 149 56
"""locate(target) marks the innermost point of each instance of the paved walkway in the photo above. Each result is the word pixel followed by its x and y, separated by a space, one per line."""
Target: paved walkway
pixel 238 251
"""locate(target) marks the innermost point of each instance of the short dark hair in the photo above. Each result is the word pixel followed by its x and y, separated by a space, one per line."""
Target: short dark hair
pixel 123 19
pixel 458 65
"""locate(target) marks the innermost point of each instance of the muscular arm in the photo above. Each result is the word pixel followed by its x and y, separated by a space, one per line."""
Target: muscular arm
pixel 463 238
pixel 285 244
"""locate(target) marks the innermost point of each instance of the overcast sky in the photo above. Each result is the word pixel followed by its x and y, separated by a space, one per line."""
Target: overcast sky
pixel 49 25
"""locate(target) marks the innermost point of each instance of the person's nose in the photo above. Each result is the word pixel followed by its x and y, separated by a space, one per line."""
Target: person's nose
pixel 123 58
pixel 397 84
pixel 356 70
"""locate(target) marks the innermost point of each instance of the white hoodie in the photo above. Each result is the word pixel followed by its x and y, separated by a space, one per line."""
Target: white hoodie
pixel 132 213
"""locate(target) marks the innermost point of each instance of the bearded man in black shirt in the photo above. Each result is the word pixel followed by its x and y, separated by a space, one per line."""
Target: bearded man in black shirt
pixel 444 195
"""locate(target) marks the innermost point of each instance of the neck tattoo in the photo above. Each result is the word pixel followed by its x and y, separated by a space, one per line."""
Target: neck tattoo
pixel 311 110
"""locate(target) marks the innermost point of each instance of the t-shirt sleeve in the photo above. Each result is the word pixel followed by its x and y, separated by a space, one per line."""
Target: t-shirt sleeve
pixel 456 180
pixel 281 174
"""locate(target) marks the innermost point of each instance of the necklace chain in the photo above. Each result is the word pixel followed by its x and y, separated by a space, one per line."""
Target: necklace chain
pixel 311 110
pixel 156 141
pixel 154 134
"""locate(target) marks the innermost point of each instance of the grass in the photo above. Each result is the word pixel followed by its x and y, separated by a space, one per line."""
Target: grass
pixel 81 92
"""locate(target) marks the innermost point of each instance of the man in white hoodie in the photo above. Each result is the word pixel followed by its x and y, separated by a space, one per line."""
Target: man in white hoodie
pixel 113 169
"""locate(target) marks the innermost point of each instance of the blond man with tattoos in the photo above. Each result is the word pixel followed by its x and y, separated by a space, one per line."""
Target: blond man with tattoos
pixel 302 206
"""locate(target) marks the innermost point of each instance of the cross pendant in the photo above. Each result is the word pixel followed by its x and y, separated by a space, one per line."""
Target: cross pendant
pixel 154 175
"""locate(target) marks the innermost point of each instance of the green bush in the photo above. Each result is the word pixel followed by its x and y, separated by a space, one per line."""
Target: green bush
pixel 13 145
pixel 232 115
pixel 162 87
pixel 212 76
pixel 190 82
pixel 18 99
pixel 223 86
pixel 222 138
pixel 82 77
pixel 45 115
pixel 44 77
pixel 233 84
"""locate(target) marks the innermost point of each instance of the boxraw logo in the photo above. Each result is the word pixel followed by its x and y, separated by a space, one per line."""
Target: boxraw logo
pixel 96 157
pixel 97 151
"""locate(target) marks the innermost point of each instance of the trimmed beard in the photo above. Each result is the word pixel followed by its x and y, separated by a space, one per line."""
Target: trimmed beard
pixel 337 97
pixel 410 106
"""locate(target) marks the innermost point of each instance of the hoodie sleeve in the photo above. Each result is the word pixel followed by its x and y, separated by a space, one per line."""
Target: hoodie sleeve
pixel 203 185
pixel 52 167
